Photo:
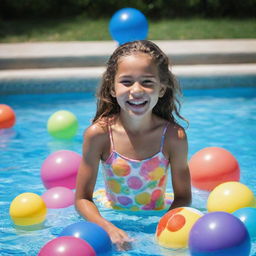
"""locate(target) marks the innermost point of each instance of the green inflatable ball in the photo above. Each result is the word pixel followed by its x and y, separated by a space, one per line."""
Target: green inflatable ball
pixel 62 125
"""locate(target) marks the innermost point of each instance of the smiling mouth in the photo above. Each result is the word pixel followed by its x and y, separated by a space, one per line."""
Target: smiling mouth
pixel 137 103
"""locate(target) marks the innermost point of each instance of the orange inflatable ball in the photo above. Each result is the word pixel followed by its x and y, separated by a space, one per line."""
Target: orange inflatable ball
pixel 7 116
pixel 174 227
pixel 212 166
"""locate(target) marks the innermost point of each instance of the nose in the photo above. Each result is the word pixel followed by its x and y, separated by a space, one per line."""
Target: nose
pixel 137 89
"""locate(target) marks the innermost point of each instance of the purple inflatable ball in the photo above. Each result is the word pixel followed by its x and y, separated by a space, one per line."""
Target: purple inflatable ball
pixel 219 234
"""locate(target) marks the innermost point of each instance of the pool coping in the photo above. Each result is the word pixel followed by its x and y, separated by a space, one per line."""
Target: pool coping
pixel 96 72
pixel 47 67
pixel 96 53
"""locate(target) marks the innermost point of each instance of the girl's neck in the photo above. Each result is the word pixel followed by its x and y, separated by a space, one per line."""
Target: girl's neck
pixel 136 125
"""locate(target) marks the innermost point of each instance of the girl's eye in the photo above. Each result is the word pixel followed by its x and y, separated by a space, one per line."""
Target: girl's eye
pixel 148 82
pixel 126 82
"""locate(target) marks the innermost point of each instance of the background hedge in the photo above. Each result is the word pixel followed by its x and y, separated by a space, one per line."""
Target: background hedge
pixel 154 9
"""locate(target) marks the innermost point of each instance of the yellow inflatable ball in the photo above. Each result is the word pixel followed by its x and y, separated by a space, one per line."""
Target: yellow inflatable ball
pixel 229 197
pixel 28 209
pixel 174 227
pixel 62 125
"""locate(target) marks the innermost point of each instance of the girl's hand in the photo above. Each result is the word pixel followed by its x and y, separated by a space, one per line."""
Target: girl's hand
pixel 120 239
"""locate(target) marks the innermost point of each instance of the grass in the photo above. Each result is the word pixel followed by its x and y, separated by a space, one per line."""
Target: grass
pixel 202 29
pixel 83 29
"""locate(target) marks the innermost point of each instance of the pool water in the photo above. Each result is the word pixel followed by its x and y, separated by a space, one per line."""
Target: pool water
pixel 218 117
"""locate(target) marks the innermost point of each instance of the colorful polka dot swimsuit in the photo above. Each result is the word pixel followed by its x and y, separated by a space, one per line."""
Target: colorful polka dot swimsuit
pixel 136 184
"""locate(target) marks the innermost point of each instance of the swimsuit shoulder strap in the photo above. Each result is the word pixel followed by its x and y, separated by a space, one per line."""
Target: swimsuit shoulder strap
pixel 111 137
pixel 163 136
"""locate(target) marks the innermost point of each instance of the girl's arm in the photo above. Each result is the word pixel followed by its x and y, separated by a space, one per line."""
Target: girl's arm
pixel 179 168
pixel 86 179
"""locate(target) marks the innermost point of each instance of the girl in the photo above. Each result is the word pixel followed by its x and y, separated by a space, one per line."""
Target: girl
pixel 136 136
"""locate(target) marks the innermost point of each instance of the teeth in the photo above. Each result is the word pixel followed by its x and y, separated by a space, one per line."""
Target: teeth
pixel 137 102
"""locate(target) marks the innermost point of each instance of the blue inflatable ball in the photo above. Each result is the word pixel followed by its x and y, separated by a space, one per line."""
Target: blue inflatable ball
pixel 219 234
pixel 93 234
pixel 128 24
pixel 248 216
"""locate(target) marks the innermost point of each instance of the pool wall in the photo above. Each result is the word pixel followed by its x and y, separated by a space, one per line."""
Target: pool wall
pixel 39 86
pixel 60 67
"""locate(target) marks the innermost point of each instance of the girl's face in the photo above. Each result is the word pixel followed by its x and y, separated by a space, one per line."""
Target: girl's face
pixel 137 84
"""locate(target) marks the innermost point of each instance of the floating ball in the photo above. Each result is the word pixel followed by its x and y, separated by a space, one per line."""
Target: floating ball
pixel 95 235
pixel 60 169
pixel 128 24
pixel 229 197
pixel 212 166
pixel 248 216
pixel 174 227
pixel 7 116
pixel 219 234
pixel 62 125
pixel 67 246
pixel 28 209
pixel 58 197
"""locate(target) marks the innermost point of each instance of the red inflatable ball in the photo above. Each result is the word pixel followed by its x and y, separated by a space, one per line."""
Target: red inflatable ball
pixel 7 116
pixel 212 166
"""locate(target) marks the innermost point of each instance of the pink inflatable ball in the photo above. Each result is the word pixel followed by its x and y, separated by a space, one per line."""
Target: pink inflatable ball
pixel 58 197
pixel 60 169
pixel 67 246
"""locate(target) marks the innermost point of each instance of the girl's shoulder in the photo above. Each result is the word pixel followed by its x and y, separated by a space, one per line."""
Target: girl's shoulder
pixel 97 131
pixel 175 133
pixel 175 140
pixel 175 136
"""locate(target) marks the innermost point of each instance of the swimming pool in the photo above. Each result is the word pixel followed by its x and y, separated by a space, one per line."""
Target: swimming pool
pixel 218 117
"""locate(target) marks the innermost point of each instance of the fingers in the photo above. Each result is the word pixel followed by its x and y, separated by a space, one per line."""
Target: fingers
pixel 119 236
pixel 125 246
pixel 125 236
pixel 121 239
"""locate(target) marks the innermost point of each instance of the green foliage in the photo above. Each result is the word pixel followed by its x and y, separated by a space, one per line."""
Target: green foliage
pixel 81 28
pixel 153 9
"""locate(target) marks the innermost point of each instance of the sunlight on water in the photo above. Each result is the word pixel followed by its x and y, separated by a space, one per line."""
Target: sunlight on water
pixel 227 119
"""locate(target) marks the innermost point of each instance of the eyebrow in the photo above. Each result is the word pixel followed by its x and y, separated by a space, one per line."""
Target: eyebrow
pixel 146 76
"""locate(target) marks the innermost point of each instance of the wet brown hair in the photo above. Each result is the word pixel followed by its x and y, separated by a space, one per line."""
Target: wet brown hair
pixel 166 107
